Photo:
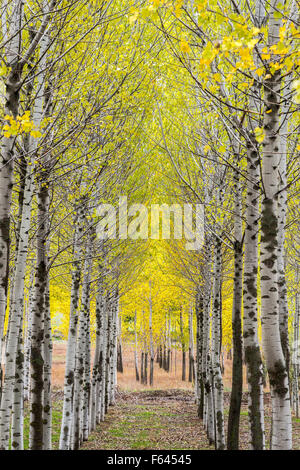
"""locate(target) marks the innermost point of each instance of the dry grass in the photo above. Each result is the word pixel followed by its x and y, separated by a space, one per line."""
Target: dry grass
pixel 162 379
pixel 126 381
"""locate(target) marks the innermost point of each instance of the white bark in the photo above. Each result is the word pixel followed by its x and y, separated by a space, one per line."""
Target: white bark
pixel 81 382
pixel 66 425
pixel 14 38
pixel 250 325
pixel 136 360
pixel 47 356
pixel 96 376
pixel 275 360
pixel 102 387
pixel 16 312
pixel 151 336
pixel 216 345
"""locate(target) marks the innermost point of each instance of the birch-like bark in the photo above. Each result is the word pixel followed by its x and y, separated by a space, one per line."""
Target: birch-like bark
pixel 296 354
pixel 27 346
pixel 81 379
pixel 191 346
pixel 146 366
pixel 17 421
pixel 275 360
pixel 136 361
pixel 36 357
pixel 16 312
pixel 47 356
pixel 182 347
pixel 66 425
pixel 151 337
pixel 216 349
pixel 95 392
pixel 237 368
pixel 102 386
pixel 108 351
pixel 250 324
pixel 207 405
pixel 282 206
pixel 169 360
pixel 20 270
pixel 87 377
pixel 113 356
pixel 11 107
pixel 15 62
pixel 142 367
pixel 120 348
pixel 199 355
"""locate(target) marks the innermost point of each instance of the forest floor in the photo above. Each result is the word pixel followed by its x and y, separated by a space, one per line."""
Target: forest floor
pixel 157 419
pixel 165 420
pixel 163 417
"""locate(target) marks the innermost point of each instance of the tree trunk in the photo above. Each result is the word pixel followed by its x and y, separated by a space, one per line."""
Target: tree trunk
pixel 81 379
pixel 237 366
pixel 151 338
pixel 250 326
pixel 136 362
pixel 65 442
pixel 199 355
pixel 47 355
pixel 216 349
pixel 275 360
pixel 37 343
pixel 183 376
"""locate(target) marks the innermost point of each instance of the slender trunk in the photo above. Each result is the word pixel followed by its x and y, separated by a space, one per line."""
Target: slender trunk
pixel 183 348
pixel 142 367
pixel 102 385
pixel 216 349
pixel 11 108
pixel 160 357
pixel 151 338
pixel 295 355
pixel 146 368
pixel 191 347
pixel 108 353
pixel 237 366
pixel 113 357
pixel 136 362
pixel 250 324
pixel 68 405
pixel 27 346
pixel 17 422
pixel 47 355
pixel 120 353
pixel 277 370
pixel 199 355
pixel 96 375
pixel 81 378
pixel 16 312
pixel 36 358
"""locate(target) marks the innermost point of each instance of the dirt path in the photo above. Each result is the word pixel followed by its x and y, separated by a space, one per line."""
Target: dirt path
pixel 165 420
pixel 151 420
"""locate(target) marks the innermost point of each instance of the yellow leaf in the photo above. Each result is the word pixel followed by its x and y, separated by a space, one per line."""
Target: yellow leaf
pixel 184 46
pixel 36 134
pixel 259 134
